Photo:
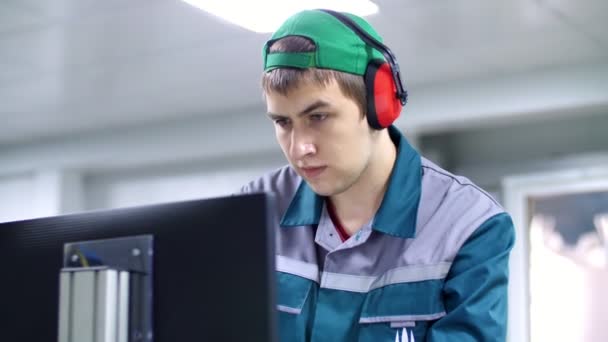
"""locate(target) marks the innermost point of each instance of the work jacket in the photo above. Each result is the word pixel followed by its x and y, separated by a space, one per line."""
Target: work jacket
pixel 432 264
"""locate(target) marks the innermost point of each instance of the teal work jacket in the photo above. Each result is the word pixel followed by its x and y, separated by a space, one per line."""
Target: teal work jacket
pixel 432 265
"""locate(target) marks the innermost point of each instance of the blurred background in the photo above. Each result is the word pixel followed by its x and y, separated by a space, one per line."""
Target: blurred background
pixel 114 103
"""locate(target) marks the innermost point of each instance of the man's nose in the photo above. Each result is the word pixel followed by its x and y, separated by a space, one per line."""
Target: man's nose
pixel 302 145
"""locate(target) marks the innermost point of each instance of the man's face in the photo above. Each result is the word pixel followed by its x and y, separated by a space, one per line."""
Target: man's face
pixel 323 135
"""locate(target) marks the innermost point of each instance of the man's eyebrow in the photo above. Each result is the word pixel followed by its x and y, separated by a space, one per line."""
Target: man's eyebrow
pixel 311 108
pixel 314 106
pixel 274 116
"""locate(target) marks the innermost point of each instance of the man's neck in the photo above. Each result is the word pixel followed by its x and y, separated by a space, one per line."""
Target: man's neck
pixel 357 205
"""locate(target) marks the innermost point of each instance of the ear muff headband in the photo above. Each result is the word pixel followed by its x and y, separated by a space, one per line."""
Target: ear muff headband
pixel 401 94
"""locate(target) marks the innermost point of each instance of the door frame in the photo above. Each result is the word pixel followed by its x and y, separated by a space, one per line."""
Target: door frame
pixel 517 190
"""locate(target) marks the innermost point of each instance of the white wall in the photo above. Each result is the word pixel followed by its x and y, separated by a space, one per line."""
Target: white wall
pixel 58 192
pixel 157 184
pixel 129 166
pixel 15 192
pixel 38 193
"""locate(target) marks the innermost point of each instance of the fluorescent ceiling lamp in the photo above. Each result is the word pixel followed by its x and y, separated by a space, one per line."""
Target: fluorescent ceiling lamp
pixel 267 15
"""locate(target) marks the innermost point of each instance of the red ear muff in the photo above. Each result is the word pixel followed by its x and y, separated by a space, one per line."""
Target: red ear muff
pixel 383 105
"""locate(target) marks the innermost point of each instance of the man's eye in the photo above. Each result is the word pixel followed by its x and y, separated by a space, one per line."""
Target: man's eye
pixel 318 117
pixel 281 122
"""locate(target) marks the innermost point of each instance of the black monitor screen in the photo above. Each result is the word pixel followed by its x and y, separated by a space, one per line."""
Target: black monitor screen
pixel 213 268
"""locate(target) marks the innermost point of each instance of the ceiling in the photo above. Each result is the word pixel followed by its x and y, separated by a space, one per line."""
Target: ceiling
pixel 71 66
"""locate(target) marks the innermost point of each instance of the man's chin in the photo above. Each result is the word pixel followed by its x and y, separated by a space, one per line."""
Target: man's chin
pixel 321 190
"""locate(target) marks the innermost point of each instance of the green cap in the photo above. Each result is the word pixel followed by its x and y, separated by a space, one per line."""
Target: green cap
pixel 337 46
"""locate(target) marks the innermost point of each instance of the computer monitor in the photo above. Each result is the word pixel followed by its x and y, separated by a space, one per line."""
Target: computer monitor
pixel 213 268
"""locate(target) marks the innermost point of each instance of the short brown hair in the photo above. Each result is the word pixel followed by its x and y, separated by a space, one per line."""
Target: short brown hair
pixel 284 80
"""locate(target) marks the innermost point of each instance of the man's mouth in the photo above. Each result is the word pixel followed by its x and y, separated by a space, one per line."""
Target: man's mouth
pixel 312 172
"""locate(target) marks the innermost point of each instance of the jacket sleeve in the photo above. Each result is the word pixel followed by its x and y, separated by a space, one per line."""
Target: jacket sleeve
pixel 475 291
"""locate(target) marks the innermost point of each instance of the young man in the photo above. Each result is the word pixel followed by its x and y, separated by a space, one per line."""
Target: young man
pixel 374 242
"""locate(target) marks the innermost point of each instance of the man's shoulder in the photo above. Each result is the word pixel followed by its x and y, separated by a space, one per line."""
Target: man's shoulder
pixel 282 182
pixel 454 203
pixel 442 182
